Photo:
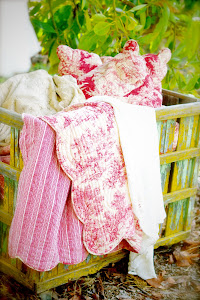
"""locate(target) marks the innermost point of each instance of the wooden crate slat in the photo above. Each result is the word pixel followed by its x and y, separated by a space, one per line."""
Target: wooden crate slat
pixel 165 172
pixel 11 270
pixel 179 155
pixel 9 171
pixel 17 151
pixel 169 136
pixel 6 193
pixel 80 270
pixel 11 191
pixel 12 147
pixel 177 111
pixel 181 179
pixel 4 240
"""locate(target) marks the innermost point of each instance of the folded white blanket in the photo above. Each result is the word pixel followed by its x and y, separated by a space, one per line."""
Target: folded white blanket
pixel 140 145
pixel 37 93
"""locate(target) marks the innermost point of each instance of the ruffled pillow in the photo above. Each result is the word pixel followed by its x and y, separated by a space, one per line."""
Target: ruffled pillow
pixel 128 76
pixel 76 62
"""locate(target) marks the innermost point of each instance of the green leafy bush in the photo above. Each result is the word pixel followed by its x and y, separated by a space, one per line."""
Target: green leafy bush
pixel 103 26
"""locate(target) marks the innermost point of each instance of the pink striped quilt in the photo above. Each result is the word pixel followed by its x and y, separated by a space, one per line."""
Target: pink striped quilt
pixel 44 229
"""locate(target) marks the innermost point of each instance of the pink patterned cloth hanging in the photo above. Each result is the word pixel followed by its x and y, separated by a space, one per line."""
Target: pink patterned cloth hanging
pixel 89 152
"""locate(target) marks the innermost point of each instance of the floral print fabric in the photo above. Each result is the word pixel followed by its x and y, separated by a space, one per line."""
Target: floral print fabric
pixel 89 152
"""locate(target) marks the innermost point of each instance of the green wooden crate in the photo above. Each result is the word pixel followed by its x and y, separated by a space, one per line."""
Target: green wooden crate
pixel 179 172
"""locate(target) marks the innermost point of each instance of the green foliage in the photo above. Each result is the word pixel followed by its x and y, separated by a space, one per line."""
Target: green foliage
pixel 104 26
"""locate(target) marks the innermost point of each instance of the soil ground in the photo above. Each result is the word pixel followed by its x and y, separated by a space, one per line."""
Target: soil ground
pixel 177 267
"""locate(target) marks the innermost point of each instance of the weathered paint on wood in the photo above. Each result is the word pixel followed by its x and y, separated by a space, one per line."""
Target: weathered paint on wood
pixel 9 171
pixel 11 118
pixel 12 147
pixel 172 239
pixel 179 214
pixel 80 270
pixel 182 98
pixel 5 217
pixel 10 270
pixel 179 195
pixel 179 155
pixel 17 150
pixel 177 111
pixel 178 175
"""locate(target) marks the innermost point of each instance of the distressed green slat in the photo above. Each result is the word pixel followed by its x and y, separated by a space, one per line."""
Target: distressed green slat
pixel 185 132
pixel 1 237
pixel 189 214
pixel 5 217
pixel 195 172
pixel 164 173
pixel 11 196
pixel 13 262
pixel 162 136
pixel 169 137
pixel 9 269
pixel 15 195
pixel 195 132
pixel 181 179
pixel 17 151
pixel 12 147
pixel 159 129
pixel 9 171
pixel 166 138
pixel 172 239
pixel 166 146
pixel 11 118
pixel 177 111
pixel 193 181
pixel 197 138
pixel 176 215
pixel 179 195
pixel 21 164
pixel 179 155
pixel 4 240
pixel 6 193
pixel 84 270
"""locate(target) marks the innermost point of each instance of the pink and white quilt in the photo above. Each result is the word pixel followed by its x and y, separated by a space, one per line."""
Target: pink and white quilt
pixel 89 152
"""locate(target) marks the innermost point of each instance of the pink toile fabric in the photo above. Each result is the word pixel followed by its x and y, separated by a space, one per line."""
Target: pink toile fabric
pixel 44 229
pixel 129 76
pixel 76 62
pixel 89 152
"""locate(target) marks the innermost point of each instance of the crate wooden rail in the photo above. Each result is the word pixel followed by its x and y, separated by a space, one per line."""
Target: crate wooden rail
pixel 179 172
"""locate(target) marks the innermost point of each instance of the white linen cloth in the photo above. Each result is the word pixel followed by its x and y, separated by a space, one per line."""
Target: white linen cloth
pixel 140 145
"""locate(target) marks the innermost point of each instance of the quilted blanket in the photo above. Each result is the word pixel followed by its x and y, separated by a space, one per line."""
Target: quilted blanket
pixel 89 152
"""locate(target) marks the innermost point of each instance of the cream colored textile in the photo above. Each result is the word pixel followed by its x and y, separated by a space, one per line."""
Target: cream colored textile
pixel 37 93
